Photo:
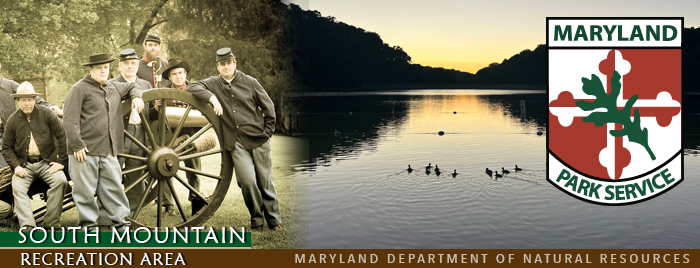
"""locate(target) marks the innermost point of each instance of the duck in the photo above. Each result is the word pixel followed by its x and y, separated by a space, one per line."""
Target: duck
pixel 498 175
pixel 505 171
pixel 429 167
pixel 454 174
pixel 409 169
pixel 441 132
pixel 427 171
pixel 437 172
pixel 437 169
pixel 517 168
pixel 489 172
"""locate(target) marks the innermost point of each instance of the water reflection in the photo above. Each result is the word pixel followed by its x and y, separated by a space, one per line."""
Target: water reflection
pixel 341 125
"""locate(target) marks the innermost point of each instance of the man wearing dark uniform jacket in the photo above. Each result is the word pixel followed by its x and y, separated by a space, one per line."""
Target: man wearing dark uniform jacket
pixel 248 122
pixel 7 106
pixel 31 152
pixel 94 137
pixel 147 70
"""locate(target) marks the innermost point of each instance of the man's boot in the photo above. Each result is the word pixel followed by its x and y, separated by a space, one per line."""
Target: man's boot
pixel 197 203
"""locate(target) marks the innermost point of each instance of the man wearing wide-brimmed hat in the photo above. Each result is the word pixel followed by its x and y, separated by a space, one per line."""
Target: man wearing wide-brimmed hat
pixel 29 148
pixel 176 73
pixel 248 114
pixel 7 106
pixel 95 135
pixel 147 68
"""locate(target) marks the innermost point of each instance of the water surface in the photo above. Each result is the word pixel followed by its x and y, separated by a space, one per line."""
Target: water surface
pixel 361 196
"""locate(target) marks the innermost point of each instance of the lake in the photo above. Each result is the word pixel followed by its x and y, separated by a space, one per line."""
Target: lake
pixel 360 194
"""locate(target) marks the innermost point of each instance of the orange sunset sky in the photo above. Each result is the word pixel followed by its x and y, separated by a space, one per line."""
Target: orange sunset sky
pixel 469 35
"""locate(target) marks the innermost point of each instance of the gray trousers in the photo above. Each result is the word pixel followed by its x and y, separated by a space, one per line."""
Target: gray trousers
pixel 3 163
pixel 254 175
pixel 5 210
pixel 135 194
pixel 101 174
pixel 54 205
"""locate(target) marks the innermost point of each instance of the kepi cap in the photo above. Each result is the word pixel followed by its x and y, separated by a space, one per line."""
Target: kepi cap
pixel 224 54
pixel 128 54
pixel 153 37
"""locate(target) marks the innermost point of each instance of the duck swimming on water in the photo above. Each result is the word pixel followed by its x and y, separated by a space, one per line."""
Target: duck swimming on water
pixel 517 168
pixel 489 172
pixel 505 171
pixel 429 167
pixel 437 169
pixel 498 175
pixel 409 169
pixel 454 174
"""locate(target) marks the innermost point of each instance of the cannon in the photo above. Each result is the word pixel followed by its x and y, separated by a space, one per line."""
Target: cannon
pixel 165 152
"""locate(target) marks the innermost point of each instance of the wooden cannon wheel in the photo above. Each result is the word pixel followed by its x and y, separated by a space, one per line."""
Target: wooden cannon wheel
pixel 164 158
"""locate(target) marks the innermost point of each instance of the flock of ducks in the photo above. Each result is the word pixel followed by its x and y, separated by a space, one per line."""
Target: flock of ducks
pixel 489 172
pixel 503 171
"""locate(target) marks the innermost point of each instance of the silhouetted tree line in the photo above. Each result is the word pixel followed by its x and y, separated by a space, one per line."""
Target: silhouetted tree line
pixel 329 54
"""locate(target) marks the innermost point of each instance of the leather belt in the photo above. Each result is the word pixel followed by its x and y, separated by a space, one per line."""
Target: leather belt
pixel 34 159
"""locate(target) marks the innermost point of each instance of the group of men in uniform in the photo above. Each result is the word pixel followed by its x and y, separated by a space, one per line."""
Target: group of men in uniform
pixel 92 135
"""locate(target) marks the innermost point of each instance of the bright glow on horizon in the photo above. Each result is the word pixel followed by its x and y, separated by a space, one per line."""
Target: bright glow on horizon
pixel 469 35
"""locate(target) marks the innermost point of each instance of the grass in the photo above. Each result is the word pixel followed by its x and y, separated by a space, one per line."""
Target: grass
pixel 286 152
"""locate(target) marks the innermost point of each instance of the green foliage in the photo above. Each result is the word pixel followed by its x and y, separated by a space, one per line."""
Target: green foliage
pixel 632 129
pixel 50 39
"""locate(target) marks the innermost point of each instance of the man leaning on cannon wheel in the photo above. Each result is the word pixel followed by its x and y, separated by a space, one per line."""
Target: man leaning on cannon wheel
pixel 29 148
pixel 95 135
pixel 248 114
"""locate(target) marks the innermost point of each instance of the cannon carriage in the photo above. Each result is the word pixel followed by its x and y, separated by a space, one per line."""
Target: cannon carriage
pixel 165 151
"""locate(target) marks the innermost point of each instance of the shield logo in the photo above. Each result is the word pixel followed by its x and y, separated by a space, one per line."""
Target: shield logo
pixel 615 94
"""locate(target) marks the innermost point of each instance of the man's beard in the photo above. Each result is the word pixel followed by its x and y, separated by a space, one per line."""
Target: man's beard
pixel 151 55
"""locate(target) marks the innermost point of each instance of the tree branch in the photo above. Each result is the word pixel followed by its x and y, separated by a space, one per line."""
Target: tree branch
pixel 156 24
pixel 149 22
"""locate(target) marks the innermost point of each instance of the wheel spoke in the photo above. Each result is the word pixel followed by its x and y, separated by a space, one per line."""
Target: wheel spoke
pixel 194 137
pixel 188 186
pixel 179 126
pixel 182 167
pixel 139 158
pixel 134 169
pixel 149 132
pixel 137 142
pixel 160 203
pixel 184 152
pixel 143 198
pixel 177 200
pixel 143 177
pixel 161 123
pixel 200 154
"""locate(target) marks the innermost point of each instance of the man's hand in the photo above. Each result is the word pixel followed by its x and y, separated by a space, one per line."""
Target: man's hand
pixel 19 171
pixel 158 103
pixel 137 103
pixel 217 106
pixel 55 167
pixel 81 155
pixel 57 111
